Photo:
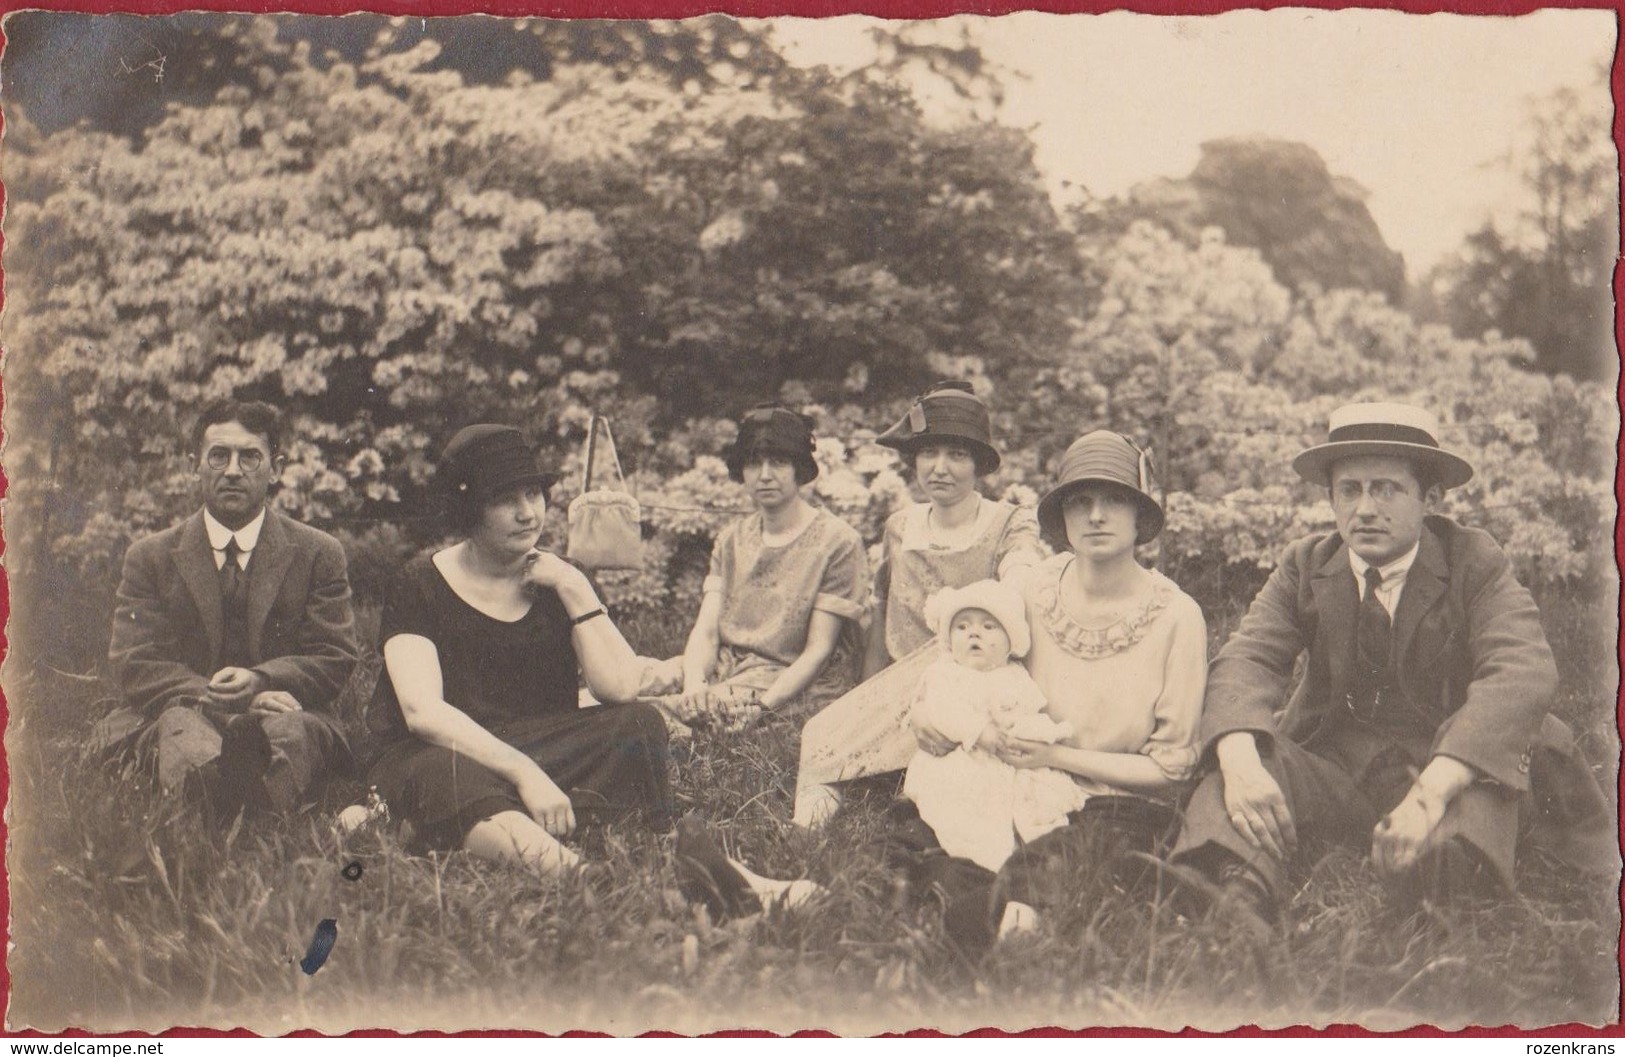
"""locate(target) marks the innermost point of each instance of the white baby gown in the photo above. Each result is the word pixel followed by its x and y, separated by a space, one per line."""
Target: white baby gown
pixel 975 803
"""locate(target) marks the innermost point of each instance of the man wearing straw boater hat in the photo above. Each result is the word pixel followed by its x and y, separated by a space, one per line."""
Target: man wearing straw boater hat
pixel 1420 722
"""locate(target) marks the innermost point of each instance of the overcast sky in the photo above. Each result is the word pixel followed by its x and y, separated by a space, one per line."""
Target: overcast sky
pixel 1416 108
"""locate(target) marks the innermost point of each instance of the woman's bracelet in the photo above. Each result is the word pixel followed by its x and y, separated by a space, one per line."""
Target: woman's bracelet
pixel 588 615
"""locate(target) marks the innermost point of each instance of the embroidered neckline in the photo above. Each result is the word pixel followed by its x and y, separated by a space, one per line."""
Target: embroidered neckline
pixel 1093 643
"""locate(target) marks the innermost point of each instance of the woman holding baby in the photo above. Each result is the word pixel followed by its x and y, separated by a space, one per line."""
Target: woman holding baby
pixel 1118 654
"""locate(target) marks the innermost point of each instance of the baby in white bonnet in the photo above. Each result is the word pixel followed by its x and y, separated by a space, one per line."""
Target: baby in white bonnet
pixel 977 696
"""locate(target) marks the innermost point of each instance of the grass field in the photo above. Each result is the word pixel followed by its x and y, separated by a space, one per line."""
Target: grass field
pixel 125 916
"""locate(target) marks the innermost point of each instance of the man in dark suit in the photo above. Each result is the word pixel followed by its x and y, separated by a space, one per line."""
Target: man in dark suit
pixel 233 632
pixel 1421 712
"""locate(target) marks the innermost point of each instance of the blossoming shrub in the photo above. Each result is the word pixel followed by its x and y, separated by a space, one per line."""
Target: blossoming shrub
pixel 390 251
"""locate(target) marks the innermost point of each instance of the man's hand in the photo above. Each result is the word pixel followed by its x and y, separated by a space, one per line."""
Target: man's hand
pixel 1402 834
pixel 234 688
pixel 1253 799
pixel 1401 837
pixel 271 701
pixel 547 804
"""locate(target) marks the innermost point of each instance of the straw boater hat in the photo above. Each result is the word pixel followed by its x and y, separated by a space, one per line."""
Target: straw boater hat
pixel 1101 457
pixel 773 431
pixel 1001 600
pixel 1397 431
pixel 948 412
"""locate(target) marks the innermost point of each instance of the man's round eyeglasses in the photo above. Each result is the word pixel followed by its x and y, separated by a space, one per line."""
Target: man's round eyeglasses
pixel 248 459
pixel 1381 491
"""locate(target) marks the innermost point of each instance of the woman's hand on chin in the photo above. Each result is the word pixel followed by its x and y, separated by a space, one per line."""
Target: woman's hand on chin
pixel 546 569
pixel 1026 755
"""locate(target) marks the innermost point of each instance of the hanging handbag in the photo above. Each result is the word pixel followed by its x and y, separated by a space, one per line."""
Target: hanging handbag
pixel 606 524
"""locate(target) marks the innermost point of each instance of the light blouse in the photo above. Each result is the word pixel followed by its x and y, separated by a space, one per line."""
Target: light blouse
pixel 1134 686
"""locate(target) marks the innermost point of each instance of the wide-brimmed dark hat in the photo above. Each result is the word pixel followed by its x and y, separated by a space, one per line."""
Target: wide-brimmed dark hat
pixel 1101 457
pixel 773 431
pixel 947 413
pixel 1395 431
pixel 485 460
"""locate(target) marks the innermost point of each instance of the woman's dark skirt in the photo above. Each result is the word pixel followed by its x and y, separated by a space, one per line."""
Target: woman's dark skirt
pixel 611 760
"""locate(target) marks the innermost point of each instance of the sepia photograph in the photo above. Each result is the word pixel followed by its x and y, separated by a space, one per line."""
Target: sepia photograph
pixel 1068 521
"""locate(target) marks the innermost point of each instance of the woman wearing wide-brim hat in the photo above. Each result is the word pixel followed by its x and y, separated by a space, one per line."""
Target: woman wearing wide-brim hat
pixel 957 536
pixel 1120 653
pixel 954 538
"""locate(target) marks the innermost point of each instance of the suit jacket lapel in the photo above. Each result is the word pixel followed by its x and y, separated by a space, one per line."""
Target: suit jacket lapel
pixel 1337 602
pixel 1425 584
pixel 265 568
pixel 194 561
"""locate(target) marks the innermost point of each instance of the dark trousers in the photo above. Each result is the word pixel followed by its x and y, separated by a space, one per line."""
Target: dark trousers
pixel 1076 861
pixel 1332 805
pixel 306 748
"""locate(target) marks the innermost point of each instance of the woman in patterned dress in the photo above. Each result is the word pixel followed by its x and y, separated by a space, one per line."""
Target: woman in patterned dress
pixel 777 631
pixel 956 537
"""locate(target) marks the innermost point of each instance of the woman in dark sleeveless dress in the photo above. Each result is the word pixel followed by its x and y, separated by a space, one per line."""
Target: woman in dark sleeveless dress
pixel 487 748
pixel 482 642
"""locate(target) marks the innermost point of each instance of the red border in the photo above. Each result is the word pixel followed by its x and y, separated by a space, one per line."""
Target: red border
pixel 899 9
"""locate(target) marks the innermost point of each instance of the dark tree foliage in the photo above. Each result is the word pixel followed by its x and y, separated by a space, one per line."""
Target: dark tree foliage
pixel 663 221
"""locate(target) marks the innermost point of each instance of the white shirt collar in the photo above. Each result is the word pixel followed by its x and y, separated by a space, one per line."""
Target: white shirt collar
pixel 1392 573
pixel 248 537
pixel 917 535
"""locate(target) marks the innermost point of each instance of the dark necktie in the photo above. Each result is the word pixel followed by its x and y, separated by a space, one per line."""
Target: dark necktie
pixel 231 575
pixel 1373 638
pixel 234 609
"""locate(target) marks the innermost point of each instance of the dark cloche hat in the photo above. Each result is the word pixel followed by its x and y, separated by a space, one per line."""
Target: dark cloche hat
pixel 948 412
pixel 484 460
pixel 1101 457
pixel 1396 431
pixel 773 430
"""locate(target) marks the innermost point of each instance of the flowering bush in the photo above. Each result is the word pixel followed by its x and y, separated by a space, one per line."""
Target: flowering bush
pixel 390 252
pixel 1199 353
